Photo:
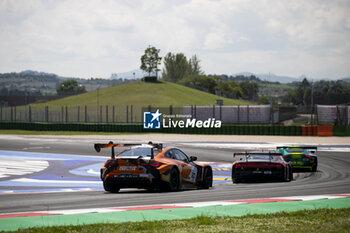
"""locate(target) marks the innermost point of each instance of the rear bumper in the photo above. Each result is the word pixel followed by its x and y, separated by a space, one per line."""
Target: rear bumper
pixel 258 174
pixel 132 181
pixel 299 167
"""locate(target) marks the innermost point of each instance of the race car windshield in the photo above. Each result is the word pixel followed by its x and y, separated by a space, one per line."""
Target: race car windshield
pixel 295 151
pixel 258 157
pixel 141 151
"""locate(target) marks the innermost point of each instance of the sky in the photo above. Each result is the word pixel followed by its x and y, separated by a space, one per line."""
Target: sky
pixel 95 38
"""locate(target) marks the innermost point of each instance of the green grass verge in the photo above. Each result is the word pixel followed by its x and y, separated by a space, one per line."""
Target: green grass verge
pixel 319 220
pixel 139 93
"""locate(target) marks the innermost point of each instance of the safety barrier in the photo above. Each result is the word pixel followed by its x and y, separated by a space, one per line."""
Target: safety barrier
pixel 314 130
pixel 309 130
pixel 325 130
pixel 341 130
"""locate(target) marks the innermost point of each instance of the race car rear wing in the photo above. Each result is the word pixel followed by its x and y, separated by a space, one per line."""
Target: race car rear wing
pixel 247 153
pixel 312 149
pixel 297 147
pixel 99 146
pixel 272 153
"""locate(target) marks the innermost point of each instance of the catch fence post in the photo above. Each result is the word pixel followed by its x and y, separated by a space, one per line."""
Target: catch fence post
pixel 46 113
pixel 213 110
pixel 238 113
pixel 100 119
pixel 131 113
pixel 78 113
pixel 113 113
pixel 127 113
pixel 248 114
pixel 67 114
pixel 106 113
pixel 30 113
pixel 85 114
pixel 62 114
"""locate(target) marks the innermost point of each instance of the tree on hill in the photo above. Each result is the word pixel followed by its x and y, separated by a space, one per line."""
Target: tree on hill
pixel 194 67
pixel 150 60
pixel 201 82
pixel 230 89
pixel 250 90
pixel 70 87
pixel 177 67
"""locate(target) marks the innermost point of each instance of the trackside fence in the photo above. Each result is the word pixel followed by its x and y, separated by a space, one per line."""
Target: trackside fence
pixel 240 114
pixel 315 130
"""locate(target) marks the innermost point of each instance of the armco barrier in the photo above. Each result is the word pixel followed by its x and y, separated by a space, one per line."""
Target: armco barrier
pixel 137 128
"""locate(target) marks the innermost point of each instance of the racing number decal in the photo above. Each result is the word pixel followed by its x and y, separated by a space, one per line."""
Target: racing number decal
pixel 188 172
pixel 193 174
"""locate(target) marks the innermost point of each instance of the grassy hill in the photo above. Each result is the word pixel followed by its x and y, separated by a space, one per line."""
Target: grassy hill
pixel 144 94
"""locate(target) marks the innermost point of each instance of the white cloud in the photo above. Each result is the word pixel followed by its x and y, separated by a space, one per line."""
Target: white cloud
pixel 95 38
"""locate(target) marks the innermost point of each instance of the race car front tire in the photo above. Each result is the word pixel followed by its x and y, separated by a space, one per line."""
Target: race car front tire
pixel 207 178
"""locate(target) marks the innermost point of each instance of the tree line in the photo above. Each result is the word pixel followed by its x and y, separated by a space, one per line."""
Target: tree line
pixel 320 92
pixel 177 68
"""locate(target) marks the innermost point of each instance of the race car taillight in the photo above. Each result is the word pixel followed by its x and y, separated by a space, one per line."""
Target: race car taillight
pixel 153 164
pixel 241 165
pixel 276 165
pixel 108 164
pixel 308 156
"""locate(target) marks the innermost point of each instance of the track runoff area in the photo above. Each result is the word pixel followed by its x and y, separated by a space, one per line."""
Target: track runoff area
pixel 38 173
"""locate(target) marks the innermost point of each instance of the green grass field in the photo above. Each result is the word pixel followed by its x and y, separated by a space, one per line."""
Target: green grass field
pixel 319 220
pixel 144 94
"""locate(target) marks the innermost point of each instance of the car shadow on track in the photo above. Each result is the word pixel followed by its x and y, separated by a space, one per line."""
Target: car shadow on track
pixel 144 191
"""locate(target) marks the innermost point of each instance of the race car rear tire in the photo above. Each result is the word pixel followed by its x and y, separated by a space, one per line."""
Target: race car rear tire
pixel 284 176
pixel 110 187
pixel 235 178
pixel 174 180
pixel 290 174
pixel 207 178
pixel 314 168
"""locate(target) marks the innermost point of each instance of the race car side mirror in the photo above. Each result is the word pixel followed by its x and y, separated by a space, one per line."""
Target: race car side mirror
pixel 193 158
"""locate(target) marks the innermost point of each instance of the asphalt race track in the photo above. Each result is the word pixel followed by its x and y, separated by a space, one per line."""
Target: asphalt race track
pixel 332 177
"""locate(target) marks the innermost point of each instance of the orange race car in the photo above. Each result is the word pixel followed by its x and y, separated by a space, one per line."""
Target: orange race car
pixel 152 167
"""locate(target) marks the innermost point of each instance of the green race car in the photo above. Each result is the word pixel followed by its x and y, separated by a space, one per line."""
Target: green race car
pixel 301 157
